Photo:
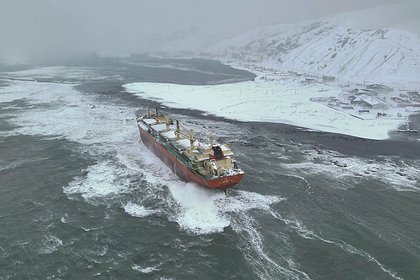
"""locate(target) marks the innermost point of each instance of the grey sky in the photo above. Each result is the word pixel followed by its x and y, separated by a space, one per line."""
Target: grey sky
pixel 42 26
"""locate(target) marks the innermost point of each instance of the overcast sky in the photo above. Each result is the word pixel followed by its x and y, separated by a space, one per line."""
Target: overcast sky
pixel 42 26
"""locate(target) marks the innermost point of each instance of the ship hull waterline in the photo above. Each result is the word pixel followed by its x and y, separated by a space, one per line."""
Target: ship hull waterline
pixel 181 170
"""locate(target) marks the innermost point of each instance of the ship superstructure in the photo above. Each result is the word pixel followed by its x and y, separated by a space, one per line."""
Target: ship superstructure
pixel 209 164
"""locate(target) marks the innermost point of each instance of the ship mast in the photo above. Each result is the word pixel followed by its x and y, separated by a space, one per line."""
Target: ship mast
pixel 191 137
pixel 178 131
pixel 168 122
pixel 212 139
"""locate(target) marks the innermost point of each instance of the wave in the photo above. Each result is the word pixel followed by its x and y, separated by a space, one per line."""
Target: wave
pixel 396 174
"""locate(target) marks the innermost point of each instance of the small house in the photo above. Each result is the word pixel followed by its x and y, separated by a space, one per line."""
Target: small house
pixel 327 79
pixel 414 95
pixel 369 102
pixel 379 88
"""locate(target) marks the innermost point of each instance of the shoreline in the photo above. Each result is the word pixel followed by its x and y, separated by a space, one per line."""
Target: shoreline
pixel 274 97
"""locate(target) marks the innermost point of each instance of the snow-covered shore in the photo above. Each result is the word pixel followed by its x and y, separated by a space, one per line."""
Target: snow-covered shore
pixel 282 99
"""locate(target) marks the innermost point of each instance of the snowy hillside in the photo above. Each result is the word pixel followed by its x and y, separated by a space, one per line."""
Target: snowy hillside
pixel 329 47
pixel 192 40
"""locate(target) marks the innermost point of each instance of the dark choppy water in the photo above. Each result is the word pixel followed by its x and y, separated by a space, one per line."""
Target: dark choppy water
pixel 81 197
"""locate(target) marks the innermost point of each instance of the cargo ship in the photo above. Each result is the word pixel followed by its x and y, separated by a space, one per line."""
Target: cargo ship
pixel 208 164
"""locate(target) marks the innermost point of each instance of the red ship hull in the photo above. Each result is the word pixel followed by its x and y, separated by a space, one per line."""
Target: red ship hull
pixel 183 171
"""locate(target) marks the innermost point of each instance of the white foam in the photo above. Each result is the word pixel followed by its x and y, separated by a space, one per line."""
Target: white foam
pixel 58 110
pixel 240 201
pixel 4 165
pixel 50 244
pixel 384 170
pixel 136 210
pixel 64 219
pixel 35 92
pixel 90 229
pixel 199 213
pixel 145 270
pixel 102 180
pixel 51 72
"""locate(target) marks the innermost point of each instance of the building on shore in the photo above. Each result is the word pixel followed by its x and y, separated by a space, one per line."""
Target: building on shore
pixel 369 102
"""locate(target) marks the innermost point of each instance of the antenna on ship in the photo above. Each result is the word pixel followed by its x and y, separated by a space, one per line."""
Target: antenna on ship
pixel 157 112
pixel 148 112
